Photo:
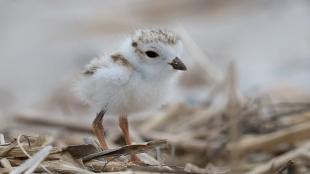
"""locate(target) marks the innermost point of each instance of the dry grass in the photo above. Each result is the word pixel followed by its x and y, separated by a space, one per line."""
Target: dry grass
pixel 239 134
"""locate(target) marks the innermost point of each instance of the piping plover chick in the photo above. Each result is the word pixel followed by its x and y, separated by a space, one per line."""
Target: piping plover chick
pixel 133 79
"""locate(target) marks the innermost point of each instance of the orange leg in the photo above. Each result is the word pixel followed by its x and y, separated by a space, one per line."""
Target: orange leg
pixel 123 124
pixel 99 130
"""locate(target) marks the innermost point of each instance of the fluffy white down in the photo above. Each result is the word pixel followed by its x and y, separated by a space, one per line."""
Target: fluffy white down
pixel 121 90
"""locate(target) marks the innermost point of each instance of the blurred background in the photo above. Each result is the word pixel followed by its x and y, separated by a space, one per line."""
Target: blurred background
pixel 44 45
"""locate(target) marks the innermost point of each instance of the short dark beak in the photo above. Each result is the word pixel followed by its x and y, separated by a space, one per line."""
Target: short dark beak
pixel 178 64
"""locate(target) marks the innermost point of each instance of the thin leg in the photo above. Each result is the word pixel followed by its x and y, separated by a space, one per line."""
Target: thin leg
pixel 123 124
pixel 99 130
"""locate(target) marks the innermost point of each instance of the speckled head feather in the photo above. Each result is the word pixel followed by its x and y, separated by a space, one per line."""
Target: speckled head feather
pixel 156 35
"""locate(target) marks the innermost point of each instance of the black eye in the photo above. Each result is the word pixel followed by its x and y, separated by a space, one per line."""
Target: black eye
pixel 151 54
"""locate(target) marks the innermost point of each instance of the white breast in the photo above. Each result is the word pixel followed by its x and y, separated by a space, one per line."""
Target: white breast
pixel 121 90
pixel 140 94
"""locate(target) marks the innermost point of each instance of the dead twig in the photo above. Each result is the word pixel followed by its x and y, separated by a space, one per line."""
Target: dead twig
pixel 46 120
pixel 31 164
pixel 126 150
pixel 268 141
pixel 280 160
pixel 289 168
